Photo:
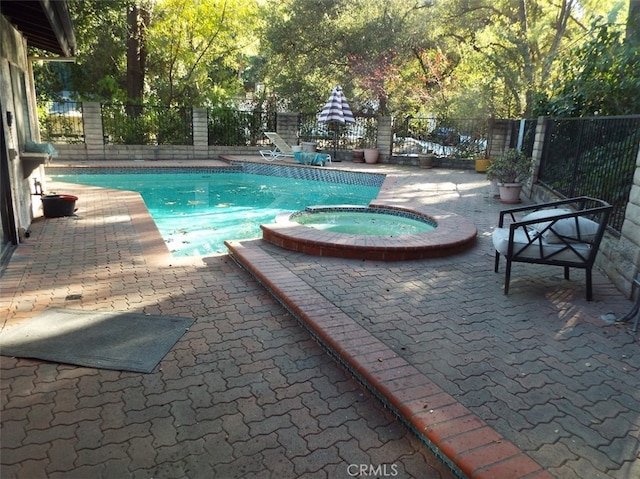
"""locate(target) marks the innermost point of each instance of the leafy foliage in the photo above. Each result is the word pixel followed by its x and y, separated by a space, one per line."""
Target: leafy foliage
pixel 198 48
pixel 149 125
pixel 510 49
pixel 237 128
pixel 421 57
pixel 510 167
pixel 601 77
pixel 101 34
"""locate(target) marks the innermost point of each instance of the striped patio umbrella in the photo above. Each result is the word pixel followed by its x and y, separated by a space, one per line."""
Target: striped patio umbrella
pixel 336 111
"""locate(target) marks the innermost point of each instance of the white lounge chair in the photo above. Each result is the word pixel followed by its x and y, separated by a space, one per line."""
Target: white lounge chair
pixel 281 148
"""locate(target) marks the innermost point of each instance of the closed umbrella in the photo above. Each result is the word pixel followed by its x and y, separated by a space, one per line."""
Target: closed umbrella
pixel 336 111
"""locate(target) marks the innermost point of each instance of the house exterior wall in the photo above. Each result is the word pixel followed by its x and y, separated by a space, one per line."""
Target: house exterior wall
pixel 19 122
pixel 620 257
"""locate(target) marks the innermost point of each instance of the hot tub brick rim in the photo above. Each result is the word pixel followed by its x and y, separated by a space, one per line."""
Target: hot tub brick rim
pixel 452 235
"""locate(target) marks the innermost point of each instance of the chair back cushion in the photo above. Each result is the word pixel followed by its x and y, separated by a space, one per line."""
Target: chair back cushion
pixel 578 228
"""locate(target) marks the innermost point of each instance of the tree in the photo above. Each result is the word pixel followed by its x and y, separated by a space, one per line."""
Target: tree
pixel 363 45
pixel 449 58
pixel 481 57
pixel 302 46
pixel 633 23
pixel 189 52
pixel 601 77
pixel 518 42
pixel 197 49
pixel 101 32
pixel 138 19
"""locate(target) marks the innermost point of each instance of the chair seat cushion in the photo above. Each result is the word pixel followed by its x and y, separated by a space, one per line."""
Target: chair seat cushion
pixel 539 248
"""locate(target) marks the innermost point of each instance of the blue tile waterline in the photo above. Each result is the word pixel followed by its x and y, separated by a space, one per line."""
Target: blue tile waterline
pixel 314 174
pixel 197 209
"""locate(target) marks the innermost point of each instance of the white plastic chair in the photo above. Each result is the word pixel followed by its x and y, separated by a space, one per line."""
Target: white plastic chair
pixel 281 148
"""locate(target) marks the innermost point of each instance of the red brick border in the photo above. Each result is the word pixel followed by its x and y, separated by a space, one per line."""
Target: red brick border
pixel 453 235
pixel 469 445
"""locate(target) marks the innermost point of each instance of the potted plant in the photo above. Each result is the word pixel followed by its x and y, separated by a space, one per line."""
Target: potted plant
pixel 371 153
pixel 426 159
pixel 358 152
pixel 510 169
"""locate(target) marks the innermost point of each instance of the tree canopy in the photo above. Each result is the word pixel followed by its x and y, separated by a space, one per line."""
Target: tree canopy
pixel 466 58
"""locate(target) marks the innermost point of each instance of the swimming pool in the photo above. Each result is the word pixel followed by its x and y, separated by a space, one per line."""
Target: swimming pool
pixel 196 210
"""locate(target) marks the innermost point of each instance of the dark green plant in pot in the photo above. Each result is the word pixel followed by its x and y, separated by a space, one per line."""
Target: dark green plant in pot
pixel 513 166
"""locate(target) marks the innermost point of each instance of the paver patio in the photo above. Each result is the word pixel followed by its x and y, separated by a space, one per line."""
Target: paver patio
pixel 248 393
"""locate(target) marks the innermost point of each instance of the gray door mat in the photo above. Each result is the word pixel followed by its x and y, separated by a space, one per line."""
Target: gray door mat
pixel 106 340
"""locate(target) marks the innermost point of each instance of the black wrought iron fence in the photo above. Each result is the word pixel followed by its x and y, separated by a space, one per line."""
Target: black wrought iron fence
pixel 230 127
pixel 61 122
pixel 333 136
pixel 147 125
pixel 459 138
pixel 592 157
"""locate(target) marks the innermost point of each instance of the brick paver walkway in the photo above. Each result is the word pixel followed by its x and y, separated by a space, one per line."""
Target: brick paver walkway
pixel 247 393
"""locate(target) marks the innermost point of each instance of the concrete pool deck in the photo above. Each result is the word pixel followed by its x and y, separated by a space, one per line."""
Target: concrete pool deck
pixel 533 384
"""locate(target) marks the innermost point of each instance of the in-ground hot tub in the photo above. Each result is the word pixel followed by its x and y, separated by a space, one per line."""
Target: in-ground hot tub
pixel 408 233
pixel 361 220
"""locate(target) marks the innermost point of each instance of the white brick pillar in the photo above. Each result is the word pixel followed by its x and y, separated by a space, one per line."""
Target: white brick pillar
pixel 384 140
pixel 287 127
pixel 200 134
pixel 93 133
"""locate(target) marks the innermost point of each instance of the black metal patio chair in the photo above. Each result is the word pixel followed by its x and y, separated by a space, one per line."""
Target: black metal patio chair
pixel 563 233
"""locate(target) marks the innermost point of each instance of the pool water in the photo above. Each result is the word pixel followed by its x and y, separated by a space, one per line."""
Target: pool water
pixel 197 212
pixel 363 223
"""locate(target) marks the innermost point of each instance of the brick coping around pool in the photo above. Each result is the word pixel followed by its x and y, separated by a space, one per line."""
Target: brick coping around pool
pixel 453 234
pixel 469 446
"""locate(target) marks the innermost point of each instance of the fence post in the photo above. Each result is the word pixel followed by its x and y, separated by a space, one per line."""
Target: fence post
pixel 499 137
pixel 93 132
pixel 384 139
pixel 200 133
pixel 287 127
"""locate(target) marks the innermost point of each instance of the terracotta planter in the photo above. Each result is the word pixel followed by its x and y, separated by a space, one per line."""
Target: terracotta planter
pixel 371 155
pixel 482 164
pixel 358 156
pixel 510 193
pixel 426 161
